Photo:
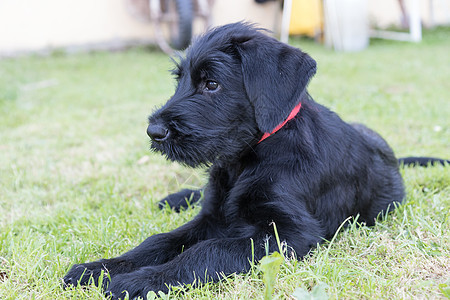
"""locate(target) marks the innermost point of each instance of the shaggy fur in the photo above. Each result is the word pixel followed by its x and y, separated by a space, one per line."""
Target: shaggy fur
pixel 235 84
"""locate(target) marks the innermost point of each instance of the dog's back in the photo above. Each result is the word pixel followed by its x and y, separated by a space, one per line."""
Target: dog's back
pixel 323 166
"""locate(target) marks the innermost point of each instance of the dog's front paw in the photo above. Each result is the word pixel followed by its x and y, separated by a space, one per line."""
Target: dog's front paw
pixel 135 284
pixel 85 274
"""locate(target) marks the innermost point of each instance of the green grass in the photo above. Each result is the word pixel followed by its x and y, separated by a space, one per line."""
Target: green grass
pixel 77 181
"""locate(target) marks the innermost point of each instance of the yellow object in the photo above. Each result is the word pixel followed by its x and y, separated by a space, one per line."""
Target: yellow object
pixel 306 18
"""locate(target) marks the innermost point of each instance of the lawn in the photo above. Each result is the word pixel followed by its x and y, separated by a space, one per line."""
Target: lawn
pixel 78 182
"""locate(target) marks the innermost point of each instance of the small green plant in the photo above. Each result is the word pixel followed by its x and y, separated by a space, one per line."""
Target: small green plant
pixel 160 295
pixel 317 293
pixel 270 266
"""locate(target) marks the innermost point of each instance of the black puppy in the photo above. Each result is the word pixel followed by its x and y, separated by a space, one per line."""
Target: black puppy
pixel 274 156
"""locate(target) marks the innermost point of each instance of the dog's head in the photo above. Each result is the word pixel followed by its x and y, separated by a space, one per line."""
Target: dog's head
pixel 234 84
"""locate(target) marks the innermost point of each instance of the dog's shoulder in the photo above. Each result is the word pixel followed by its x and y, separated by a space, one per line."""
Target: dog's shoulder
pixel 315 131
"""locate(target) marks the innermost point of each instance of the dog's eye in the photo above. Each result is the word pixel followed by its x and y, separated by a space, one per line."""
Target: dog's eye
pixel 211 85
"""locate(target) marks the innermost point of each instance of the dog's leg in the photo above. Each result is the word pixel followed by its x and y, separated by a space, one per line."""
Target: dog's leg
pixel 208 260
pixel 183 198
pixel 155 250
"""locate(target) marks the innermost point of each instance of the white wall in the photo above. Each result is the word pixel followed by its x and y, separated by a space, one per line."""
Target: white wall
pixel 35 25
pixel 38 24
pixel 383 13
pixel 266 14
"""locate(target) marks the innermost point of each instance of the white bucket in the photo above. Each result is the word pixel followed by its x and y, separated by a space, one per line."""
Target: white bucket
pixel 346 24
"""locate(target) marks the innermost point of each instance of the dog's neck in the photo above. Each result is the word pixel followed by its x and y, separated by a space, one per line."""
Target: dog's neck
pixel 293 113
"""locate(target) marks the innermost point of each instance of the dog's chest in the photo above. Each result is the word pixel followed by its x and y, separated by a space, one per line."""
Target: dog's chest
pixel 232 195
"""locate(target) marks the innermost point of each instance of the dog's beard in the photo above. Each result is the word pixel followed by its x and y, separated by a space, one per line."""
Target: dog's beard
pixel 189 156
pixel 189 149
pixel 205 150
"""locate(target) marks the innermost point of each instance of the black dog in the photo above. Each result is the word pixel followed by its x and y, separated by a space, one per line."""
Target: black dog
pixel 275 157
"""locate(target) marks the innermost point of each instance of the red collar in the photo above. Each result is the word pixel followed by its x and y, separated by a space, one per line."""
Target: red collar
pixel 293 113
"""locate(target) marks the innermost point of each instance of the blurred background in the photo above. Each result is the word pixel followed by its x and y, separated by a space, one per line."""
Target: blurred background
pixel 43 26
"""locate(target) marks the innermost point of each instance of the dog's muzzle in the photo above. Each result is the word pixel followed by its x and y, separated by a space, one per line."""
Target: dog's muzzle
pixel 157 133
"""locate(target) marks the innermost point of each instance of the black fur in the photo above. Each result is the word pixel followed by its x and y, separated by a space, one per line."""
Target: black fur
pixel 183 198
pixel 234 84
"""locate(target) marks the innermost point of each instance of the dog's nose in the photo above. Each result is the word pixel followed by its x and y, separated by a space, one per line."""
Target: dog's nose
pixel 157 133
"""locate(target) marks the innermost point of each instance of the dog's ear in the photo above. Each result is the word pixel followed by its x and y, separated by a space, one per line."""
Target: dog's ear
pixel 275 76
